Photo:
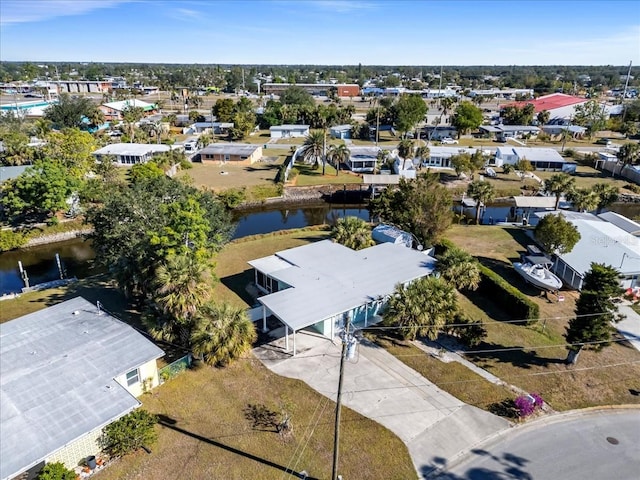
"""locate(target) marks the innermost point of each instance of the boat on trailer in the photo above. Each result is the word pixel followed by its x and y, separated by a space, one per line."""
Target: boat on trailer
pixel 537 273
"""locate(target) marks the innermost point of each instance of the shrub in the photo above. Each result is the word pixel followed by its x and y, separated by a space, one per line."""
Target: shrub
pixel 632 187
pixel 129 433
pixel 569 153
pixel 528 404
pixel 10 240
pixel 56 471
pixel 510 298
pixel 233 197
pixel 53 221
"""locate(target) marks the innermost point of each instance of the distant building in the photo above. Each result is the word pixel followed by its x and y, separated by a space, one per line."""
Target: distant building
pixel 114 110
pixel 340 132
pixel 540 158
pixel 559 105
pixel 324 89
pixel 502 132
pixel 289 131
pixel 246 153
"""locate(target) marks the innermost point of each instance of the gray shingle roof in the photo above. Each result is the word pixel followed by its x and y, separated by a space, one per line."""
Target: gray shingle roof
pixel 57 371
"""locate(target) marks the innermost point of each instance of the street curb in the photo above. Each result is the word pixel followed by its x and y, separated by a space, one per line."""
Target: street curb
pixel 517 427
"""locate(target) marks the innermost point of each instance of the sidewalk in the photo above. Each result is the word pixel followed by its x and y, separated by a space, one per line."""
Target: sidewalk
pixel 433 424
pixel 630 326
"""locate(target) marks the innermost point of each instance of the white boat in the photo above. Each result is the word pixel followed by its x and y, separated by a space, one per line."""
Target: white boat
pixel 538 275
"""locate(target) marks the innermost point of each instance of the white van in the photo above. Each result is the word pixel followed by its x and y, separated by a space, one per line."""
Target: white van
pixel 190 147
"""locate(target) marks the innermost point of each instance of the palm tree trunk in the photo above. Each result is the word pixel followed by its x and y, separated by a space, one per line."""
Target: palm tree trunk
pixel 478 212
pixel 324 149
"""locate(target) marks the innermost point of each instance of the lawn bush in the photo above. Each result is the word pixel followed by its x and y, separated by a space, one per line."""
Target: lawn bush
pixel 494 286
pixel 10 240
pixel 528 404
pixel 509 297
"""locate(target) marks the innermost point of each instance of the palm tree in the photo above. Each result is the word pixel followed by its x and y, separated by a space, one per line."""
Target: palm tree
pixel 481 192
pixel 352 232
pixel 583 199
pixel 558 184
pixel 338 154
pixel 423 153
pixel 130 116
pixel 311 151
pixel 459 268
pixel 606 195
pixel 405 150
pixel 422 308
pixel 180 290
pixel 629 154
pixel 222 333
pixel 96 117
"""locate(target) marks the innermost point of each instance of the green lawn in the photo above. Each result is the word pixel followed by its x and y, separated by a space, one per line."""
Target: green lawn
pixel 205 434
pixel 537 364
pixel 308 176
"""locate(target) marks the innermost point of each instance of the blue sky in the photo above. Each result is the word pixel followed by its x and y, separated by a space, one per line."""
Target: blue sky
pixel 336 32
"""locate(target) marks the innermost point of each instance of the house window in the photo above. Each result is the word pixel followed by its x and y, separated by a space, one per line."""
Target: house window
pixel 227 157
pixel 133 377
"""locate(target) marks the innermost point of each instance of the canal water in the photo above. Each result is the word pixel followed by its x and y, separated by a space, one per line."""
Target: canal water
pixel 77 256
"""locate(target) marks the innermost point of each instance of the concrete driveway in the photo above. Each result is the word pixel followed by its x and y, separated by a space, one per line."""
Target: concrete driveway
pixel 435 426
pixel 630 326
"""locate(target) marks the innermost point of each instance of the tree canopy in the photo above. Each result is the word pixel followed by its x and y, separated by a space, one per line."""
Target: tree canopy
pixel 408 111
pixel 559 184
pixel 352 232
pixel 421 206
pixel 467 117
pixel 69 111
pixel 592 326
pixel 556 234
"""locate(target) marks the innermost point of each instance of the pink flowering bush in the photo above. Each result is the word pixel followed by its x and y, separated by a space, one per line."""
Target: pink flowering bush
pixel 528 404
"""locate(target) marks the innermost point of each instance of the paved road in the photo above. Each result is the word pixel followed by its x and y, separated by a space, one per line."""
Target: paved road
pixel 432 423
pixel 595 446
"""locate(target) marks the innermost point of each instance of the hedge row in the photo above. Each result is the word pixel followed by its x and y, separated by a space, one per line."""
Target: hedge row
pixel 509 297
pixel 492 285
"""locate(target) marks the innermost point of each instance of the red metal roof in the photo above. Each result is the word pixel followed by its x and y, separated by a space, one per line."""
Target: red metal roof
pixel 550 102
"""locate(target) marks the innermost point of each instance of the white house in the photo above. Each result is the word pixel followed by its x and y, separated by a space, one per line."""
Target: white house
pixel 323 284
pixel 362 159
pixel 540 158
pixel 204 127
pixel 340 131
pixel 66 372
pixel 114 110
pixel 502 132
pixel 132 153
pixel 289 131
pixel 440 157
pixel 601 242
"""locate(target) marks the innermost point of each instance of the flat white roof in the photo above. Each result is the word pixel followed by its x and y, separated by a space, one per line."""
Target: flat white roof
pixel 133 149
pixel 601 242
pixel 538 154
pixel 289 127
pixel 122 104
pixel 230 149
pixel 534 202
pixel 621 221
pixel 57 371
pixel 370 179
pixel 328 279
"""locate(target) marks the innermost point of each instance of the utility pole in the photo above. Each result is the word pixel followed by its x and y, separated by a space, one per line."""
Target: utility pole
pixel 347 344
pixel 624 93
pixel 336 437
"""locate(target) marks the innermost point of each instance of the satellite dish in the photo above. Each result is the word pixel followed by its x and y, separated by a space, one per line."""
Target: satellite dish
pixel 420 248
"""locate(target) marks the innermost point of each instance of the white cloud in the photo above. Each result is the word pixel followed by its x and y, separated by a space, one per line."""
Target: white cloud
pixel 29 11
pixel 343 6
pixel 187 14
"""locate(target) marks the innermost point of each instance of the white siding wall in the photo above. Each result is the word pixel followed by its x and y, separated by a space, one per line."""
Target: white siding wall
pixel 147 371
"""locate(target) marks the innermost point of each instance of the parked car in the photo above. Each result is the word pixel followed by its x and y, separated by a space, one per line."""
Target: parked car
pixel 448 141
pixel 603 141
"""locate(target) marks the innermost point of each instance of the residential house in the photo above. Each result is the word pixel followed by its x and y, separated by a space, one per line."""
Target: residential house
pixel 114 110
pixel 575 131
pixel 323 284
pixel 340 132
pixel 622 222
pixel 341 89
pixel 601 242
pixel 502 132
pixel 218 128
pixel 244 153
pixel 362 159
pixel 440 157
pixel 132 153
pixel 289 131
pixel 66 372
pixel 437 133
pixel 540 158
